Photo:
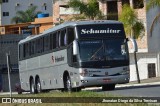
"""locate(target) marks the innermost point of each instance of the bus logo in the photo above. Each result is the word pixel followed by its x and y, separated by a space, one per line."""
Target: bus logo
pixel 57 59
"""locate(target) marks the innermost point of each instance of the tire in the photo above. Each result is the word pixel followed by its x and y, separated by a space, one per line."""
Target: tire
pixel 67 84
pixel 38 86
pixel 32 87
pixel 108 87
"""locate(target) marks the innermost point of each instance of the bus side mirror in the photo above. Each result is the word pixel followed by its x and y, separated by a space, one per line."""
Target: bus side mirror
pixel 134 43
pixel 75 47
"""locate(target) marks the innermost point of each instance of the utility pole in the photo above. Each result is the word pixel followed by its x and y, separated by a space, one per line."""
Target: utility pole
pixel 135 57
pixel 9 70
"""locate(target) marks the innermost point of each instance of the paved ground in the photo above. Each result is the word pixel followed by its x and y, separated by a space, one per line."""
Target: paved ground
pixel 145 82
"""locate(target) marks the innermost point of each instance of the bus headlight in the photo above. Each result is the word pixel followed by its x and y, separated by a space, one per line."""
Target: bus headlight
pixel 84 72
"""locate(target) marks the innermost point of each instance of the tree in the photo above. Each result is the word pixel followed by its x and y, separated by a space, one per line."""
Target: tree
pixel 133 26
pixel 88 9
pixel 151 4
pixel 25 16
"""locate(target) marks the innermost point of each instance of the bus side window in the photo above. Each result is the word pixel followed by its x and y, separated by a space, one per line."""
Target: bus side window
pixel 38 44
pixel 21 51
pixel 51 41
pixel 42 45
pixel 63 40
pixel 46 43
pixel 26 49
pixel 32 49
pixel 54 40
pixel 57 39
pixel 70 35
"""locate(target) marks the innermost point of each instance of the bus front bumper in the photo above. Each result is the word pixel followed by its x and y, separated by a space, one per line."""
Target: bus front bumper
pixel 99 81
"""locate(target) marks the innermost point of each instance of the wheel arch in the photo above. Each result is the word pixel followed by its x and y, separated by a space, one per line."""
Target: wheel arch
pixel 36 78
pixel 65 74
pixel 30 79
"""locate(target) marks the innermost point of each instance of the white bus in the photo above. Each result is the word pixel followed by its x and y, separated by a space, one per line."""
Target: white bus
pixel 75 55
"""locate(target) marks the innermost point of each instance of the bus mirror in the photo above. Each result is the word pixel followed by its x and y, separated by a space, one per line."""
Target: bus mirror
pixel 134 43
pixel 75 47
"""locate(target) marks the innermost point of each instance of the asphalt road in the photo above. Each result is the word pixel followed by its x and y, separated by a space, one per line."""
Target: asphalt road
pixel 135 91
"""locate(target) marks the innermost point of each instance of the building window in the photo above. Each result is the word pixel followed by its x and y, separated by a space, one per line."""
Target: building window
pixel 5 14
pixel 137 4
pixel 151 70
pixel 125 2
pixel 112 10
pixel 45 7
pixel 4 1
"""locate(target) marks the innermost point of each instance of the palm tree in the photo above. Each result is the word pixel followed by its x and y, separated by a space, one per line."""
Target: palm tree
pixel 89 9
pixel 151 4
pixel 25 16
pixel 133 26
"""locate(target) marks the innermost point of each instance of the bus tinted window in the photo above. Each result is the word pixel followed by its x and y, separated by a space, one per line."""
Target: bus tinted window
pixel 42 45
pixel 26 50
pixel 38 46
pixel 63 39
pixel 54 40
pixel 70 34
pixel 20 51
pixel 46 43
pixel 32 48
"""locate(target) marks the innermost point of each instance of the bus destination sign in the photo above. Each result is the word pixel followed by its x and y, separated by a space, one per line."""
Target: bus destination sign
pixel 101 30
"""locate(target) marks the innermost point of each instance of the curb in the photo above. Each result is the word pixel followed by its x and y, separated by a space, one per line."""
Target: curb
pixel 141 84
pixel 126 85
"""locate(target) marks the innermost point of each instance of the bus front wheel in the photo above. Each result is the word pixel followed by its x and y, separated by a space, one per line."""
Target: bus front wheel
pixel 108 87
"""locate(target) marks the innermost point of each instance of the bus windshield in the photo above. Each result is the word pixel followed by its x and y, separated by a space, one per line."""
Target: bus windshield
pixel 103 50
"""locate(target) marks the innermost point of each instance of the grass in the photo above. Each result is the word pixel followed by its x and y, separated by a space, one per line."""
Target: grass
pixel 85 95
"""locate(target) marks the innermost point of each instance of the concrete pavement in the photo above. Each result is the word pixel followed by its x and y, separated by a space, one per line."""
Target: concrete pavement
pixel 145 82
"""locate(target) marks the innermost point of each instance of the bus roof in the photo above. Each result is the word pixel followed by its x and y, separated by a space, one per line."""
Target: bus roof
pixel 70 23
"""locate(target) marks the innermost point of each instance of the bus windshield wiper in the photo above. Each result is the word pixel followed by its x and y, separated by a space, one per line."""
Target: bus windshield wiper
pixel 94 54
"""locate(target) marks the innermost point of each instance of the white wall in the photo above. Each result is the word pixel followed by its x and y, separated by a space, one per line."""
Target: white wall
pixel 153 41
pixel 23 5
pixel 143 60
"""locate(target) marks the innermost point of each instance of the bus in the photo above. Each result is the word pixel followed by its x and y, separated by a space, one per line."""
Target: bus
pixel 75 55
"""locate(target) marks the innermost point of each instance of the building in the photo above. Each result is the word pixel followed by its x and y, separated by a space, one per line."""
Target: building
pixel 148 46
pixel 10 35
pixel 31 28
pixel 9 44
pixel 9 8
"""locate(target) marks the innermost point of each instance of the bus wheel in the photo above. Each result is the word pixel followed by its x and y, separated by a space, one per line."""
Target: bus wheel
pixel 38 86
pixel 108 87
pixel 67 84
pixel 32 87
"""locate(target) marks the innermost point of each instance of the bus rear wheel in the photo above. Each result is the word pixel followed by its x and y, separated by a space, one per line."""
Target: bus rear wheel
pixel 108 87
pixel 67 84
pixel 32 87
pixel 38 86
